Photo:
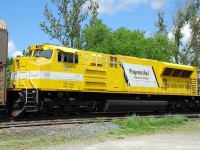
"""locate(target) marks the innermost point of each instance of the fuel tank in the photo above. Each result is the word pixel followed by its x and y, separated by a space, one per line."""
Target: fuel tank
pixel 135 105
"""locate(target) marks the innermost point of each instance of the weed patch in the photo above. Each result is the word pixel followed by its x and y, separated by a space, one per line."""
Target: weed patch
pixel 141 125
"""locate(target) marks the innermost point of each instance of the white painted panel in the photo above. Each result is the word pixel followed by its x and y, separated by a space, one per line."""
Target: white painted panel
pixel 46 75
pixel 139 75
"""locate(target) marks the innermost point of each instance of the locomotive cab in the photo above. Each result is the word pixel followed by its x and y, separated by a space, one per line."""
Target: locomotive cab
pixel 43 68
pixel 27 68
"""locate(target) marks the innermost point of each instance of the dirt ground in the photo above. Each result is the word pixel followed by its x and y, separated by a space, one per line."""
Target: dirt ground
pixel 151 142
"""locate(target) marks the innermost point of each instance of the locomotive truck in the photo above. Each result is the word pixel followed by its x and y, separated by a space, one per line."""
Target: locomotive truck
pixel 54 79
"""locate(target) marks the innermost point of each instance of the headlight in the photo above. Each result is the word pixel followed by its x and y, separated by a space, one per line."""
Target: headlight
pixel 13 84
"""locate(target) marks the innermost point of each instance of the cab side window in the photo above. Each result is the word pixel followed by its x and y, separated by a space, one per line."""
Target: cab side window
pixel 67 57
pixel 59 56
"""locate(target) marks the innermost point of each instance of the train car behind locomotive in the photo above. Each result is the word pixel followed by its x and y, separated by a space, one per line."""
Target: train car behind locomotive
pixel 3 62
pixel 52 79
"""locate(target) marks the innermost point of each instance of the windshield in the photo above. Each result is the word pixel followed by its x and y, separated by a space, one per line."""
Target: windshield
pixel 28 53
pixel 43 53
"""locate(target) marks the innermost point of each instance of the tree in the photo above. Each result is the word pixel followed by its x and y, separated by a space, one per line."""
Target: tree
pixel 159 47
pixel 98 38
pixel 193 19
pixel 123 41
pixel 187 14
pixel 163 48
pixel 130 43
pixel 66 25
pixel 134 43
pixel 161 24
pixel 94 6
pixel 178 21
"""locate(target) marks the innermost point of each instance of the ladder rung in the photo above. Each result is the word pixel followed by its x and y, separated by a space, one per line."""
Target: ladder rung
pixel 30 102
pixel 31 110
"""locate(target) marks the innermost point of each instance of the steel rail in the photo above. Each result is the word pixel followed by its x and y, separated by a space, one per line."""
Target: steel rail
pixel 15 124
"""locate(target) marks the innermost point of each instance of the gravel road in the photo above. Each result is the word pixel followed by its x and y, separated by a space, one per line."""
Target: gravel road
pixel 151 142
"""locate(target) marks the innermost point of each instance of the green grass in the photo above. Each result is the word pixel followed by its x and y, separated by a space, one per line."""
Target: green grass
pixel 145 125
pixel 13 143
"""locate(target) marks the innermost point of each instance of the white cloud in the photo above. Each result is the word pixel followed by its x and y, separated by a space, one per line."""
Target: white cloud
pixel 12 51
pixel 11 48
pixel 17 53
pixel 158 4
pixel 170 35
pixel 186 31
pixel 114 6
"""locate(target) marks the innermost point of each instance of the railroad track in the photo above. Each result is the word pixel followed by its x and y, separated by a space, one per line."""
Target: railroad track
pixel 16 124
pixel 13 124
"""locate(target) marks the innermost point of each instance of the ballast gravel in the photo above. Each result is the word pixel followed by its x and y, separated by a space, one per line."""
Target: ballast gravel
pixel 68 131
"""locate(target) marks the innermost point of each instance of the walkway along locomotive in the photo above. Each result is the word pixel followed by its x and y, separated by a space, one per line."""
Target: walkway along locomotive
pixel 52 78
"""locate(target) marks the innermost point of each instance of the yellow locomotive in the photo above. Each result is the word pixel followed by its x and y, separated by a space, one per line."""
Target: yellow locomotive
pixel 52 78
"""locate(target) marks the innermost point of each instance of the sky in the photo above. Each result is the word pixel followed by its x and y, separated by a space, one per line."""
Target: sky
pixel 23 17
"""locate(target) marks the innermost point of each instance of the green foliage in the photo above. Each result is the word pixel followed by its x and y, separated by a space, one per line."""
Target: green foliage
pixel 192 14
pixel 187 14
pixel 158 47
pixel 66 25
pixel 26 142
pixel 94 6
pixel 161 24
pixel 134 123
pixel 100 38
pixel 72 15
pixel 127 42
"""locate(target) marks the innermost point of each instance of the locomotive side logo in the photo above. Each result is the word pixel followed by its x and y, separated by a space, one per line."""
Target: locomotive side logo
pixel 139 75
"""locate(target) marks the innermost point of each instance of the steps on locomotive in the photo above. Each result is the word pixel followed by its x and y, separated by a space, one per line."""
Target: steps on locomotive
pixel 31 104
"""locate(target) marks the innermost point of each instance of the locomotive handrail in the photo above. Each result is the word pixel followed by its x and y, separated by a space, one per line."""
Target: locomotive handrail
pixel 185 87
pixel 35 89
pixel 86 58
pixel 24 86
pixel 106 60
pixel 96 60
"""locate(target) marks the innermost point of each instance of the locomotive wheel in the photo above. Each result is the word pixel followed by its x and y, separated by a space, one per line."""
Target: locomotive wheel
pixel 25 114
pixel 85 111
pixel 48 111
pixel 65 111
